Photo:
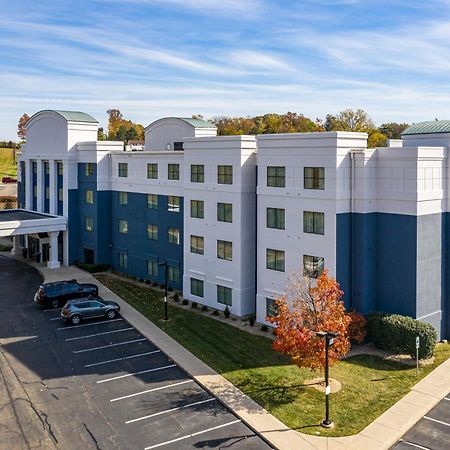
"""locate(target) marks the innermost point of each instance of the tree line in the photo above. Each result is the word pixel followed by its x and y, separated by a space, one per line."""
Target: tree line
pixel 121 129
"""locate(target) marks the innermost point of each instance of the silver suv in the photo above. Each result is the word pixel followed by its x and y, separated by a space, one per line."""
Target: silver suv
pixel 88 308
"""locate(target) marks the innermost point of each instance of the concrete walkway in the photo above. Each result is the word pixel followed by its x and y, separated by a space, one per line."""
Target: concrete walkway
pixel 380 434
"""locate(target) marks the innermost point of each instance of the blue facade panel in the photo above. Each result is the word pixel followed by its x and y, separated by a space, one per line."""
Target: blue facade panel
pixel 136 245
pixel 21 186
pixel 73 225
pixel 34 191
pixel 46 188
pixel 59 187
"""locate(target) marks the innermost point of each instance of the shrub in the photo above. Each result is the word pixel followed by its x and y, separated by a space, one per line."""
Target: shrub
pixel 356 330
pixel 5 248
pixel 147 282
pixel 94 268
pixel 194 305
pixel 162 286
pixel 170 288
pixel 264 328
pixel 154 284
pixel 226 312
pixel 204 308
pixel 141 280
pixel 251 321
pixel 176 297
pixel 216 313
pixel 185 302
pixel 398 334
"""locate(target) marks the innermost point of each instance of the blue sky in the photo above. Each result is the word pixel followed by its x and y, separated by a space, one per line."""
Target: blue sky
pixel 155 58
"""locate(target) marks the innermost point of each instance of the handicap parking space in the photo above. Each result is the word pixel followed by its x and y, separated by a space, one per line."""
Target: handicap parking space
pixel 432 432
pixel 149 400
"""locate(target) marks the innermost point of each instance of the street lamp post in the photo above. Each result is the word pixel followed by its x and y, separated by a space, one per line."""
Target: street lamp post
pixel 329 340
pixel 166 313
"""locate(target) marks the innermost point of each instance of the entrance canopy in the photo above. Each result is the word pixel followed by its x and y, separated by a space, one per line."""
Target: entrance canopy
pixel 16 222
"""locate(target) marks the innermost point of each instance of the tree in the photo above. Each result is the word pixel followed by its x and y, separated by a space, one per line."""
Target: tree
pixel 393 130
pixel 119 129
pixel 309 307
pixel 376 139
pixel 101 136
pixel 21 127
pixel 349 120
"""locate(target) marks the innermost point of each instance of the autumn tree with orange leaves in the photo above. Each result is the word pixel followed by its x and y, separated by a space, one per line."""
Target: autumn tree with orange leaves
pixel 310 306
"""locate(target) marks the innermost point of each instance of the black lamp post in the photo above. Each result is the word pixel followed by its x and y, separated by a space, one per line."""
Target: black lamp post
pixel 329 337
pixel 166 314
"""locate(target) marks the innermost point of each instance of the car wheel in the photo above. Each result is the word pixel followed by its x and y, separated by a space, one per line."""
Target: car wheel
pixel 55 304
pixel 75 320
pixel 111 314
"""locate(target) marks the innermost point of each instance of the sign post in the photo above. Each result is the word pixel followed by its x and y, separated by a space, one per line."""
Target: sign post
pixel 417 354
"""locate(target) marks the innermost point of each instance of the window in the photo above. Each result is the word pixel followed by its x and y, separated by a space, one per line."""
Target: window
pixel 313 222
pixel 123 259
pixel 152 201
pixel 123 226
pixel 271 308
pixel 275 259
pixel 47 192
pixel 225 212
pixel 152 268
pixel 173 204
pixel 60 168
pixel 89 224
pixel 173 274
pixel 123 170
pixel 173 171
pixel 123 198
pixel 275 218
pixel 314 178
pixel 173 235
pixel 152 232
pixel 276 176
pixel 225 174
pixel 197 209
pixel 89 169
pixel 152 171
pixel 197 173
pixel 60 194
pixel 197 287
pixel 312 266
pixel 225 250
pixel 197 245
pixel 178 146
pixel 224 295
pixel 89 196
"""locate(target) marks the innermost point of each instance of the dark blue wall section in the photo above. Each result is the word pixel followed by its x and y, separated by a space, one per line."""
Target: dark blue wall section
pixel 46 186
pixel 73 226
pixel 34 188
pixel 21 186
pixel 102 200
pixel 135 243
pixel 59 185
pixel 382 276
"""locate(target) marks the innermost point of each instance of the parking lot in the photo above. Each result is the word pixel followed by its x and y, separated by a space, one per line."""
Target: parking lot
pixel 432 432
pixel 103 385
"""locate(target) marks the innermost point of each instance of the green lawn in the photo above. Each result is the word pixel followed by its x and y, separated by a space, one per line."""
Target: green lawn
pixel 8 167
pixel 369 384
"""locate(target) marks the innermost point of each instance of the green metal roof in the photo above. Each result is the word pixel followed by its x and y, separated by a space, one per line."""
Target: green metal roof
pixel 70 116
pixel 430 127
pixel 198 123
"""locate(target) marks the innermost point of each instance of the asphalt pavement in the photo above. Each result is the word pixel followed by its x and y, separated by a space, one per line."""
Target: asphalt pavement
pixel 99 385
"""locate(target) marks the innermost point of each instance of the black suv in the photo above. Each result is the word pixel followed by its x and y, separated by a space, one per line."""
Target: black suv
pixel 88 308
pixel 60 292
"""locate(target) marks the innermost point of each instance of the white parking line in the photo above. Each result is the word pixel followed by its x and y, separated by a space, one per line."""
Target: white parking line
pixel 437 421
pixel 136 373
pixel 50 310
pixel 121 359
pixel 152 390
pixel 109 345
pixel 99 334
pixel 447 398
pixel 170 410
pixel 88 324
pixel 414 445
pixel 192 435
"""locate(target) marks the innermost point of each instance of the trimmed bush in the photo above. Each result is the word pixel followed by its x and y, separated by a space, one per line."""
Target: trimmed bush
pixel 398 334
pixel 147 281
pixel 194 305
pixel 185 302
pixel 216 313
pixel 155 284
pixel 251 321
pixel 94 268
pixel 204 308
pixel 176 297
pixel 264 328
pixel 170 289
pixel 226 312
pixel 141 280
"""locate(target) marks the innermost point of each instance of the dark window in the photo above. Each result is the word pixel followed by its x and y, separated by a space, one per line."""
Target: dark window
pixel 314 178
pixel 275 218
pixel 173 171
pixel 197 209
pixel 312 266
pixel 275 259
pixel 225 212
pixel 178 146
pixel 123 170
pixel 197 245
pixel 276 176
pixel 197 173
pixel 225 174
pixel 152 171
pixel 313 222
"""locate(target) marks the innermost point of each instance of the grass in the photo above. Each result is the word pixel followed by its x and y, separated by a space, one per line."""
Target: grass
pixel 370 385
pixel 8 168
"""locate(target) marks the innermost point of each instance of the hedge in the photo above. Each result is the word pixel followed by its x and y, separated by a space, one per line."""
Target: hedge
pixel 93 268
pixel 398 334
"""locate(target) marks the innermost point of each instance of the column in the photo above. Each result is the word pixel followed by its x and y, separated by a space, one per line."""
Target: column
pixel 53 186
pixel 53 262
pixel 17 248
pixel 28 184
pixel 40 186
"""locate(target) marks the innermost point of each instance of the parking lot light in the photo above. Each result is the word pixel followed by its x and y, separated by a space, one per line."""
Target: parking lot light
pixel 166 313
pixel 329 337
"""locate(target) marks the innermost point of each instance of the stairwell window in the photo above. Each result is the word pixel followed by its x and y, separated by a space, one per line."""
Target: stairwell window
pixel 173 204
pixel 314 178
pixel 173 235
pixel 89 196
pixel 276 176
pixel 123 259
pixel 313 222
pixel 89 169
pixel 123 198
pixel 152 201
pixel 123 226
pixel 152 232
pixel 152 268
pixel 89 224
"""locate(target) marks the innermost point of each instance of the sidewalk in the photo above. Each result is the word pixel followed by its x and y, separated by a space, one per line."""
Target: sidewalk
pixel 380 434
